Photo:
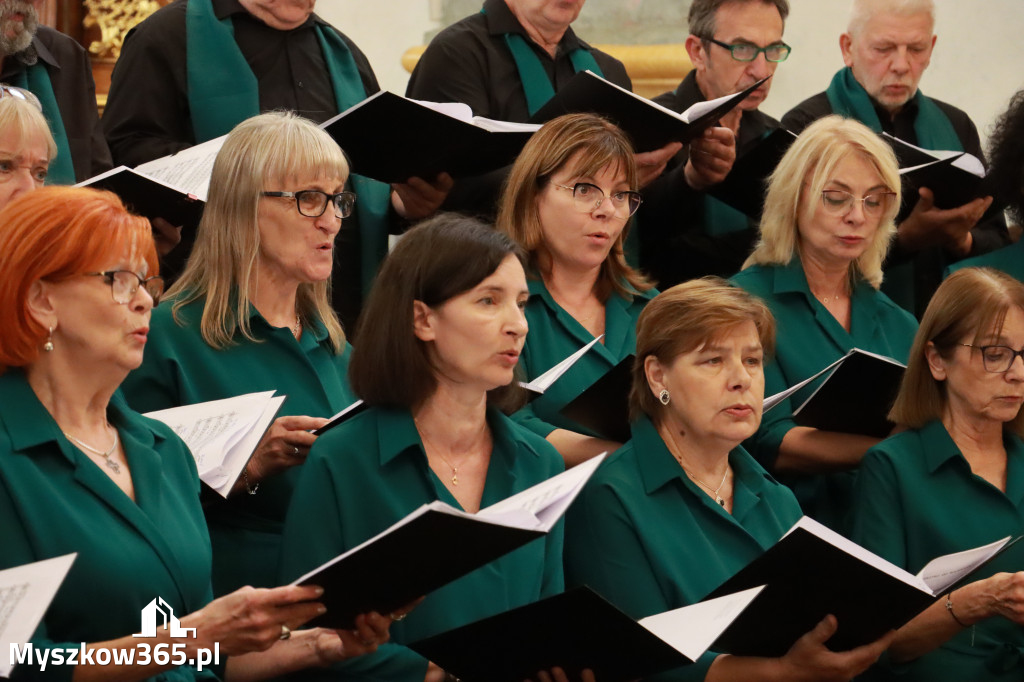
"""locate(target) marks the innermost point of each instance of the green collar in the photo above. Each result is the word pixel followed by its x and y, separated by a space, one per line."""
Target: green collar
pixel 658 468
pixel 396 433
pixel 29 425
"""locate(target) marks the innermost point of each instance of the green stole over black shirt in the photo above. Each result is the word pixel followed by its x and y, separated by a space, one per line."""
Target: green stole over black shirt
pixel 536 83
pixel 223 92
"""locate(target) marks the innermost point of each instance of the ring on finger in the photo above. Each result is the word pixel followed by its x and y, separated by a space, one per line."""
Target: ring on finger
pixel 286 632
pixel 295 451
pixel 398 617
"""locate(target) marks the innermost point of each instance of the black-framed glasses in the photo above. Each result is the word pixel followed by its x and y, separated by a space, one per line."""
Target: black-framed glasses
pixel 997 359
pixel 124 284
pixel 312 202
pixel 747 52
pixel 587 197
pixel 838 202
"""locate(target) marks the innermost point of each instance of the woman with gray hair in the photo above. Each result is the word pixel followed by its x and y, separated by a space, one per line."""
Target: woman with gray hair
pixel 251 313
pixel 826 228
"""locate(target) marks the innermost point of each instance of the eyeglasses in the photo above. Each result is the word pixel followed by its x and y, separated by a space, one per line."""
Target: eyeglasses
pixel 838 202
pixel 997 359
pixel 588 197
pixel 124 284
pixel 312 202
pixel 747 52
pixel 19 93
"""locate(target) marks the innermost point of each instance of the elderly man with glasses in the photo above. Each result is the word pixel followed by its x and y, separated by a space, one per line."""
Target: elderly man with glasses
pixel 732 44
pixel 886 49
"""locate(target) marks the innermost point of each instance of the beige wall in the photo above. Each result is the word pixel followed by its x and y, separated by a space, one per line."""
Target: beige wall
pixel 978 62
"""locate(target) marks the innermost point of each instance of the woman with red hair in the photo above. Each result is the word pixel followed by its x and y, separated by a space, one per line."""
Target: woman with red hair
pixel 80 472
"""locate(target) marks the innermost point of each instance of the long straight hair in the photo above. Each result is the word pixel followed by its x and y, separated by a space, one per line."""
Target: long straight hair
pixel 264 149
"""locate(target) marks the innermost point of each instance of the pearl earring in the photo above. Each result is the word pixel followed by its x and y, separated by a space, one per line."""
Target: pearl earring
pixel 48 346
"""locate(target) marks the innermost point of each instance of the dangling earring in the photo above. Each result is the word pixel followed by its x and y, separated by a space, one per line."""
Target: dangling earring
pixel 48 346
pixel 664 397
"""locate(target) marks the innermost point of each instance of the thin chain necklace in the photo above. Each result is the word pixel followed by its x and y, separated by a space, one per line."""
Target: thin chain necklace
pixel 437 451
pixel 702 484
pixel 106 455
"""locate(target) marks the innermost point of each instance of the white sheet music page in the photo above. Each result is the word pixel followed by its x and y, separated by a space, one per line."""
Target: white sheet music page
pixel 222 434
pixel 692 629
pixel 190 169
pixel 545 502
pixel 25 594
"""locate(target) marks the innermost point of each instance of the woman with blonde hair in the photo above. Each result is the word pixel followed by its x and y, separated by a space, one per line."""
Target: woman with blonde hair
pixel 568 201
pixel 827 225
pixel 251 313
pixel 954 479
pixel 682 507
pixel 26 144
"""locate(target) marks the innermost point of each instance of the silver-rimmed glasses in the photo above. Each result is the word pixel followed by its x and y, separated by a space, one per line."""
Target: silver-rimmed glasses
pixel 838 202
pixel 587 197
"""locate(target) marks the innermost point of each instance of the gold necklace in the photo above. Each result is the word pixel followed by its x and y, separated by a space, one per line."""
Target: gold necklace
pixel 713 491
pixel 111 464
pixel 437 451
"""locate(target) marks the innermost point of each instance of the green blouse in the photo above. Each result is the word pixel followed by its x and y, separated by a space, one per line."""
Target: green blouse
pixel 369 473
pixel 809 338
pixel 555 335
pixel 916 498
pixel 1009 259
pixel 645 536
pixel 55 500
pixel 179 368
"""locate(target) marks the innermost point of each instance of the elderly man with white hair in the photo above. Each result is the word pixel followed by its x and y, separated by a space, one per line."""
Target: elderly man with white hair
pixel 886 49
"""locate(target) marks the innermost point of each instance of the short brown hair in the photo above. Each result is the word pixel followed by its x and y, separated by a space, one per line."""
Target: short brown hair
pixel 56 233
pixel 600 144
pixel 688 316
pixel 438 259
pixel 969 304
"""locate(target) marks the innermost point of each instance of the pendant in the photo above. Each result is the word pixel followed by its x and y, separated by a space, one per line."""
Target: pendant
pixel 719 500
pixel 113 466
pixel 455 476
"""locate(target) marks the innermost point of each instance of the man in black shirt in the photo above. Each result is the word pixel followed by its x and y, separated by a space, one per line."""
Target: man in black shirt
pixel 505 62
pixel 886 50
pixel 245 57
pixel 690 233
pixel 57 70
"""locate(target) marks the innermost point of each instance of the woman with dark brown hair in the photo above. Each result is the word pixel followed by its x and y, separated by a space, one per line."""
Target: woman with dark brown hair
pixel 443 331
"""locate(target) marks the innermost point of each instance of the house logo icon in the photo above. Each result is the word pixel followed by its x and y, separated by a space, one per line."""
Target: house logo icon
pixel 149 620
